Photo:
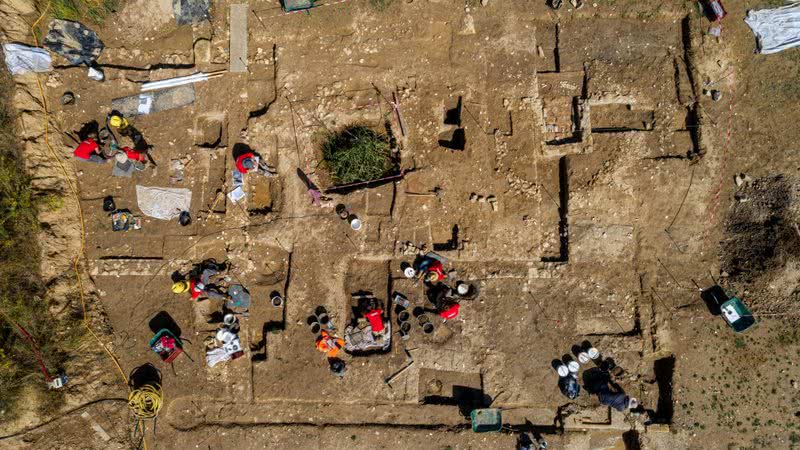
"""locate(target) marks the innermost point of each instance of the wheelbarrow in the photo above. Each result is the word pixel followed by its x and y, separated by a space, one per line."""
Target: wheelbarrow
pixel 166 345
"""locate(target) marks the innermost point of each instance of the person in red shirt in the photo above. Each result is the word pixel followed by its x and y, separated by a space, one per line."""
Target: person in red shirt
pixel 450 312
pixel 245 159
pixel 444 301
pixel 89 150
pixel 375 318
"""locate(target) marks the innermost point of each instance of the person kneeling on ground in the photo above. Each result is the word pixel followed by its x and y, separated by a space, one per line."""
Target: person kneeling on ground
pixel 329 344
pixel 246 160
pixel 90 148
pixel 442 298
pixel 199 281
pixel 598 381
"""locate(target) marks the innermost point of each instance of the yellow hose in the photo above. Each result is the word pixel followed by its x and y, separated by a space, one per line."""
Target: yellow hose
pixel 143 401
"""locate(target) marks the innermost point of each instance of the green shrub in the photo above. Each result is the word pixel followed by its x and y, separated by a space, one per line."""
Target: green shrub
pixel 357 153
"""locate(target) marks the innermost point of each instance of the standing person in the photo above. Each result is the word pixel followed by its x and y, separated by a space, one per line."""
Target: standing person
pixel 248 160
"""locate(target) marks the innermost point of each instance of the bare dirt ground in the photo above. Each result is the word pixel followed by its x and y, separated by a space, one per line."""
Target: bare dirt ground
pixel 613 177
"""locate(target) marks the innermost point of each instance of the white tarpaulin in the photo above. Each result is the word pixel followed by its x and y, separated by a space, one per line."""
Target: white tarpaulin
pixel 775 29
pixel 23 59
pixel 163 203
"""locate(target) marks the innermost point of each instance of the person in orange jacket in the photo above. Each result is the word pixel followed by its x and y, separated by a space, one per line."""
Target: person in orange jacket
pixel 329 344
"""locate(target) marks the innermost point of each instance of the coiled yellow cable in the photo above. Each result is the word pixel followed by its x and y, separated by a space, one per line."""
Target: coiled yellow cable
pixel 145 402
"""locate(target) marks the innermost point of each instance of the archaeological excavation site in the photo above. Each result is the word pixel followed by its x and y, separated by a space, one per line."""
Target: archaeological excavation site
pixel 399 224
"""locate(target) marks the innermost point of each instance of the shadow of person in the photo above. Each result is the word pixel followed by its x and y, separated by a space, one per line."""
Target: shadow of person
pixel 163 321
pixel 595 380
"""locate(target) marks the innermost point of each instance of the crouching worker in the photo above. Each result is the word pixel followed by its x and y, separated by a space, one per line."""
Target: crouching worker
pixel 249 161
pixel 90 148
pixel 199 283
pixel 443 299
pixel 329 344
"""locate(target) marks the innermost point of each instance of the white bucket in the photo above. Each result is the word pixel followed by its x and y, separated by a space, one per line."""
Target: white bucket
pixel 409 272
pixel 574 367
pixel 355 224
pixel 562 371
pixel 583 357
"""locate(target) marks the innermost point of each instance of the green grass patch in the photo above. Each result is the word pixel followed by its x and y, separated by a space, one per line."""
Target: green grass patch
pixel 357 153
pixel 21 288
pixel 91 11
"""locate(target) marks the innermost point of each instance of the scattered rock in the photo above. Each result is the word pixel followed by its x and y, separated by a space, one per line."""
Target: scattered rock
pixel 469 25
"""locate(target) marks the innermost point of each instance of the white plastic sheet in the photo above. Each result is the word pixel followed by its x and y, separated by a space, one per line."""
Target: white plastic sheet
pixel 23 59
pixel 775 29
pixel 163 203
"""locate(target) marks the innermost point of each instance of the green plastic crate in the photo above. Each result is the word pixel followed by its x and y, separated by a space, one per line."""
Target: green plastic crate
pixel 486 420
pixel 737 315
pixel 297 5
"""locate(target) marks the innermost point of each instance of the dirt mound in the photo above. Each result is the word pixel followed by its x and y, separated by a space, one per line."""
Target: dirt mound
pixel 761 236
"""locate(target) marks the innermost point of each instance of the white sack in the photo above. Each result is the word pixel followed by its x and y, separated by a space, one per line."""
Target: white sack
pixel 23 59
pixel 775 29
pixel 163 203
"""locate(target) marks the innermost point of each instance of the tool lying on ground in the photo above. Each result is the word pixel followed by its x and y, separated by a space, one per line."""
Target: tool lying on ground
pixel 52 382
pixel 409 362
pixel 180 81
pixel 435 192
pixel 313 190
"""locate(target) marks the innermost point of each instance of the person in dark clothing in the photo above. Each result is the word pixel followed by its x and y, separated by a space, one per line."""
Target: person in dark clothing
pixel 443 299
pixel 199 282
pixel 598 381
pixel 337 366
pixel 569 386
